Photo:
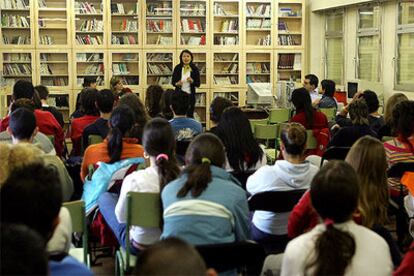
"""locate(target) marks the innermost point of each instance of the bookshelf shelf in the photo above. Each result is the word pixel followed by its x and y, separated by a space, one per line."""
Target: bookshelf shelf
pixel 226 69
pixel 258 66
pixel 89 24
pixel 225 19
pixel 90 63
pixel 289 65
pixel 290 24
pixel 17 65
pixel 159 66
pixel 126 65
pixel 159 24
pixel 258 24
pixel 124 23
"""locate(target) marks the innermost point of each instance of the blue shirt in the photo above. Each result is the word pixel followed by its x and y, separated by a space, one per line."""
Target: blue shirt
pixel 185 128
pixel 68 266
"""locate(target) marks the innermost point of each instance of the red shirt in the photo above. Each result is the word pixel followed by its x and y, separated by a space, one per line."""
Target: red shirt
pixel 407 265
pixel 47 124
pixel 319 120
pixel 77 127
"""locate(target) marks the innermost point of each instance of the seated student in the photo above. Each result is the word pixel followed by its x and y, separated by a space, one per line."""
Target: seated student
pixel 185 129
pixel 32 196
pixel 392 102
pixel 204 205
pixel 217 107
pixel 77 126
pixel 161 259
pixel 22 251
pixel 116 86
pixel 118 145
pixel 376 121
pixel 407 264
pixel 45 121
pixel 166 104
pixel 346 136
pixel 243 153
pixel 153 100
pixel 105 100
pixel 141 117
pixel 43 95
pixel 89 82
pixel 159 145
pixel 327 100
pixel 337 246
pixel 310 83
pixel 289 174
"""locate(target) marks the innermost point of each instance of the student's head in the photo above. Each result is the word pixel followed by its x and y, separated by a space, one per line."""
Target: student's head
pixel 89 82
pixel 391 103
pixel 206 149
pixel 186 57
pixel 105 100
pixel 311 82
pixel 141 117
pixel 171 256
pixel 367 157
pixel 23 89
pixel 301 100
pixel 358 111
pixel 293 138
pixel 42 91
pixel 371 100
pixel 243 151
pixel 159 142
pixel 179 103
pixel 88 101
pixel 166 104
pixel 334 194
pixel 116 84
pixel 22 251
pixel 217 107
pixel 402 122
pixel 22 103
pixel 328 87
pixel 22 125
pixel 153 100
pixel 32 195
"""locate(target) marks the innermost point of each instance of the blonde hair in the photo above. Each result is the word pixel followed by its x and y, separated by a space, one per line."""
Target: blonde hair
pixel 17 156
pixel 367 157
pixel 391 103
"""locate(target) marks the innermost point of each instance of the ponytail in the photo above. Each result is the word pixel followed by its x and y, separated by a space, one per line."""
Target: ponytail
pixel 199 175
pixel 115 145
pixel 168 169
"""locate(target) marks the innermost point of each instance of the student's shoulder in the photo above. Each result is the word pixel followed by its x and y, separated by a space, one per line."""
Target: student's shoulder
pixel 69 266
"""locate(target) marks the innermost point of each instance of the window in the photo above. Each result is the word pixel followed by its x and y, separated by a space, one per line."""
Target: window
pixel 334 46
pixel 368 65
pixel 404 74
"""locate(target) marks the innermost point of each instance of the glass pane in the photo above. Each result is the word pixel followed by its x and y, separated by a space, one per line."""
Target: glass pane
pixel 369 17
pixel 334 22
pixel 334 59
pixel 369 52
pixel 406 59
pixel 406 13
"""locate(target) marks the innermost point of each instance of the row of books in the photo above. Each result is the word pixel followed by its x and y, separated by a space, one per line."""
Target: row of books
pixel 164 9
pixel 259 23
pixel 17 57
pixel 99 81
pixel 192 25
pixel 92 25
pixel 165 80
pixel 265 41
pixel 158 69
pixel 45 69
pixel 89 39
pixel 54 81
pixel 255 79
pixel 201 67
pixel 218 9
pixel 159 25
pixel 129 25
pixel 159 57
pixel 260 10
pixel 193 9
pixel 16 40
pixel 193 40
pixel 289 61
pixel 15 4
pixel 124 40
pixel 257 67
pixel 164 40
pixel 226 40
pixel 231 68
pixel 58 100
pixel 42 4
pixel 126 57
pixel 225 57
pixel 89 57
pixel 17 69
pixel 200 99
pixel 286 11
pixel 94 69
pixel 120 69
pixel 14 21
pixel 230 96
pixel 118 8
pixel 225 80
pixel 130 80
pixel 289 39
pixel 231 26
pixel 47 40
pixel 86 8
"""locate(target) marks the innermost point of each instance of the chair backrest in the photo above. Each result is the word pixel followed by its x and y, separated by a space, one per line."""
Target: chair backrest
pixel 279 115
pixel 397 170
pixel 275 201
pixel 246 255
pixel 51 139
pixel 242 177
pixel 254 122
pixel 335 153
pixel 94 139
pixel 329 112
pixel 265 132
pixel 77 214
pixel 311 142
pixel 143 209
pixel 386 138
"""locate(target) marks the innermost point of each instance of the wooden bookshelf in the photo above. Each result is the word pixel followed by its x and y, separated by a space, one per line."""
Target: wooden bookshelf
pixel 54 69
pixel 289 66
pixel 159 24
pixel 17 65
pixel 124 23
pixel 226 69
pixel 226 21
pixel 234 95
pixel 258 22
pixel 290 26
pixel 90 63
pixel 193 28
pixel 258 66
pixel 126 65
pixel 201 110
pixel 159 66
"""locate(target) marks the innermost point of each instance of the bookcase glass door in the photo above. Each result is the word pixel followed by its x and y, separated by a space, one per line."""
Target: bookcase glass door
pixel 15 22
pixel 290 24
pixel 193 28
pixel 258 67
pixel 52 23
pixel 200 109
pixel 231 95
pixel 226 23
pixel 258 23
pixel 289 67
pixel 200 60
pixel 159 68
pixel 124 22
pixel 226 69
pixel 53 70
pixel 126 67
pixel 17 66
pixel 90 65
pixel 159 22
pixel 89 22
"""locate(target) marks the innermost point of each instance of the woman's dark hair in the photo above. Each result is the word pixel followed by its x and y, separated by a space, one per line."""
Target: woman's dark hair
pixel 188 52
pixel 141 117
pixel 42 91
pixel 358 112
pixel 159 139
pixel 329 87
pixel 217 107
pixel 88 101
pixel 88 80
pixel 302 102
pixel 121 122
pixel 371 99
pixel 205 150
pixel 403 122
pixel 241 147
pixel 166 103
pixel 334 194
pixel 294 138
pixel 153 100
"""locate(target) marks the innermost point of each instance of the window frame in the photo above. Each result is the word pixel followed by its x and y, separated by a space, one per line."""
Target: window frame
pixel 331 35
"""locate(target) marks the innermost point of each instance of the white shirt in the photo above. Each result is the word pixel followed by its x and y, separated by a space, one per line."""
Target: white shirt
pixel 372 254
pixel 315 95
pixel 186 87
pixel 146 180
pixel 260 163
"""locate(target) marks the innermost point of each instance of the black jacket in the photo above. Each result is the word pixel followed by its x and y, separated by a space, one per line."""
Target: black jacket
pixel 195 75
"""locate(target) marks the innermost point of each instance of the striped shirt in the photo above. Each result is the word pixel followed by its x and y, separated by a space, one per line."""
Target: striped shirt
pixel 396 151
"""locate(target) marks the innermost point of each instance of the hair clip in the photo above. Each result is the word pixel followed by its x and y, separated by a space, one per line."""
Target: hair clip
pixel 161 156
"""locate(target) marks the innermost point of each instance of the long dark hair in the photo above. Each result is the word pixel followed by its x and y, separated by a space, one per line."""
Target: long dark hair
pixel 334 194
pixel 205 150
pixel 302 102
pixel 121 122
pixel 235 132
pixel 159 139
pixel 141 117
pixel 153 100
pixel 403 122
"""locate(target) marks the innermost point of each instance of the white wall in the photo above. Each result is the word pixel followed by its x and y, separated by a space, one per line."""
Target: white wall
pixel 315 43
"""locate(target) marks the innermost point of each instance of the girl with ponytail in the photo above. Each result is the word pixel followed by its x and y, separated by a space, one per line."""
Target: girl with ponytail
pixel 337 246
pixel 205 205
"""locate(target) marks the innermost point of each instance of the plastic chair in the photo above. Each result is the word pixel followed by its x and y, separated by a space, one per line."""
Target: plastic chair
pixel 279 115
pixel 77 214
pixel 386 138
pixel 268 132
pixel 311 142
pixel 330 113
pixel 275 201
pixel 334 153
pixel 254 122
pixel 144 210
pixel 242 177
pixel 94 139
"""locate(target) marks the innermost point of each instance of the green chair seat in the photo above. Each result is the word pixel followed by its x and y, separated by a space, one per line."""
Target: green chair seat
pixel 279 115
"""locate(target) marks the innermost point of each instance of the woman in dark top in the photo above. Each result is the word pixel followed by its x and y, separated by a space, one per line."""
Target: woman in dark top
pixel 395 99
pixel 186 77
pixel 306 115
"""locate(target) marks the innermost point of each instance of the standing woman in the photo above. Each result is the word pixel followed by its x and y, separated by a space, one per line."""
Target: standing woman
pixel 186 77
